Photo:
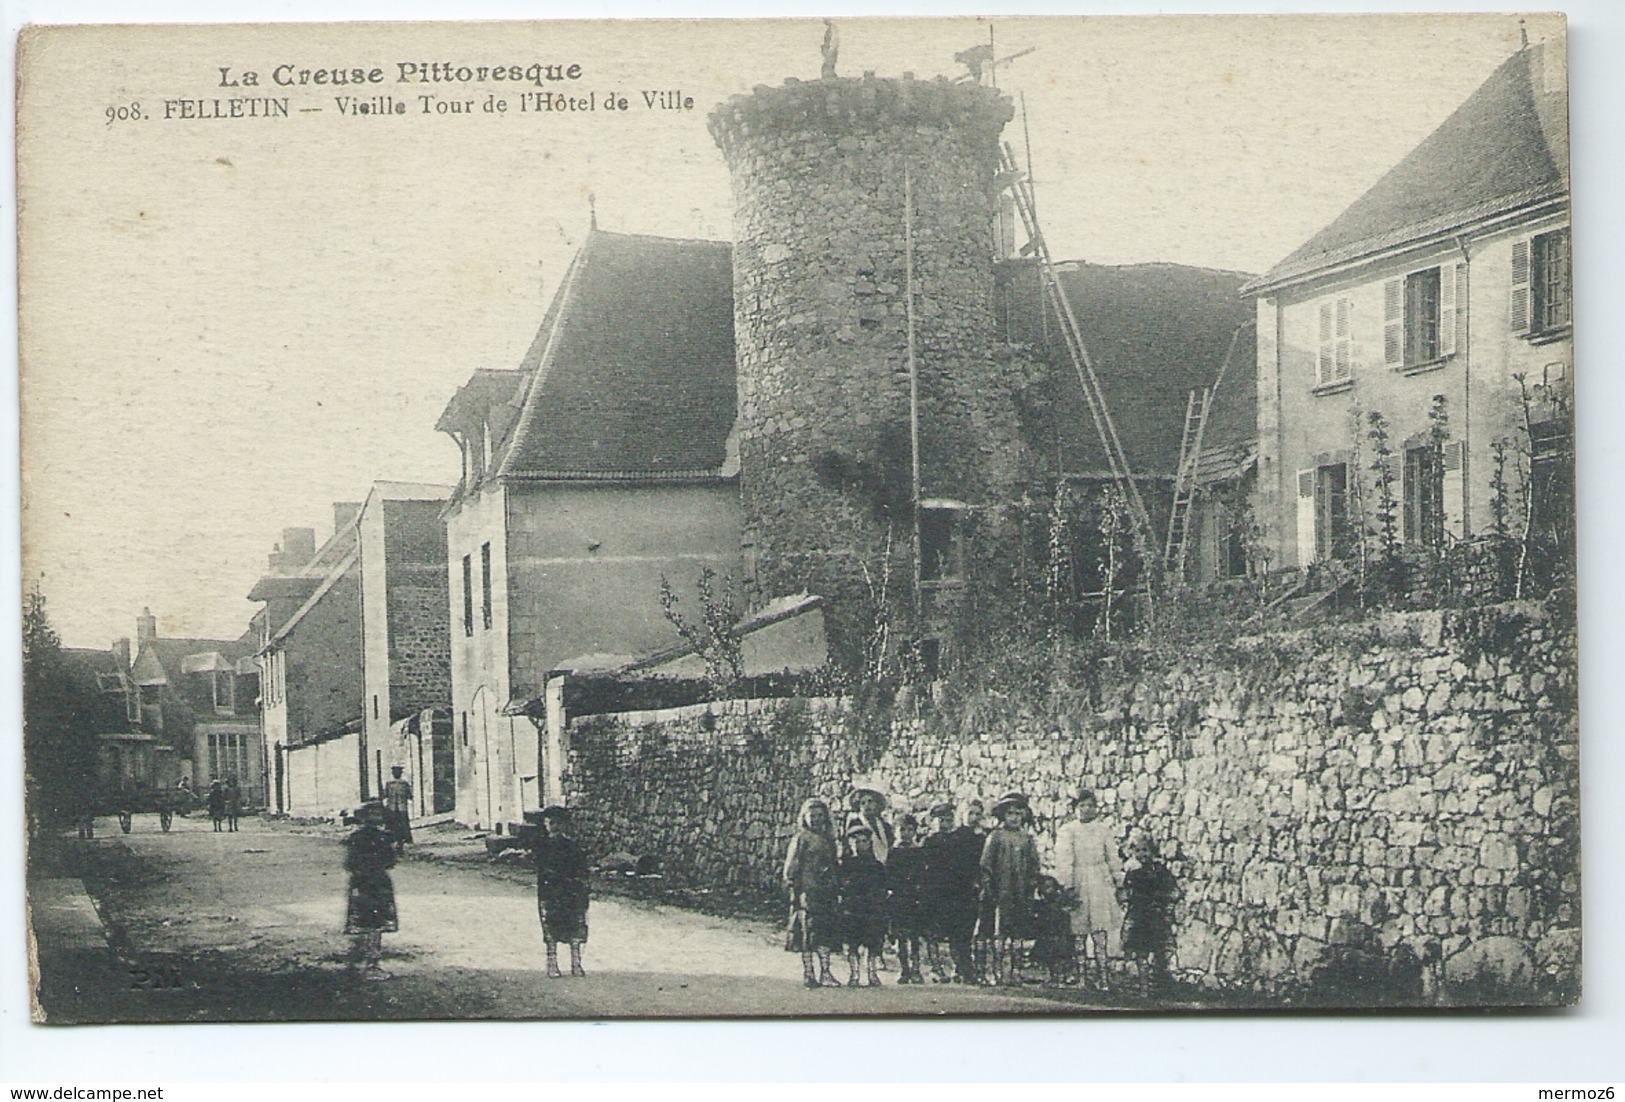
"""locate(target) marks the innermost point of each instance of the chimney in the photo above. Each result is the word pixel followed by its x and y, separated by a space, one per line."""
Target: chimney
pixel 146 627
pixel 298 546
pixel 121 652
pixel 344 514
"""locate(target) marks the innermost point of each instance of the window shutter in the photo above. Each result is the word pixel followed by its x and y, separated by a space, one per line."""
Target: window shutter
pixel 1306 517
pixel 1393 323
pixel 1521 304
pixel 1324 363
pixel 1455 489
pixel 1447 309
pixel 1343 365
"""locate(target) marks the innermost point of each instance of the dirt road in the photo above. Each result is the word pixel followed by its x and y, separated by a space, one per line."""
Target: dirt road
pixel 247 926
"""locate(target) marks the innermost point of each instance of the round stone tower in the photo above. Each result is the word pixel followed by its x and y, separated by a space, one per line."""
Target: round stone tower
pixel 821 321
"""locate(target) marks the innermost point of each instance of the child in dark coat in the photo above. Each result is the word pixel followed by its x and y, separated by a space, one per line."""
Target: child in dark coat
pixel 905 871
pixel 1148 924
pixel 862 901
pixel 1009 878
pixel 370 910
pixel 563 889
pixel 1052 931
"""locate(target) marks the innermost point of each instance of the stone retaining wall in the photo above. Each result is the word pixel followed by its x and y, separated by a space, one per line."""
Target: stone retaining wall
pixel 1415 776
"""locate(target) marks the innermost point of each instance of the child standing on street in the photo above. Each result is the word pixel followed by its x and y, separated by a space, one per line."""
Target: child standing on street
pixel 1052 931
pixel 1087 865
pixel 1009 877
pixel 905 867
pixel 811 879
pixel 563 889
pixel 863 901
pixel 1148 930
pixel 370 912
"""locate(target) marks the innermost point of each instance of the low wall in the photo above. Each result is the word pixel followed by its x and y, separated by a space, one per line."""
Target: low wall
pixel 1415 774
pixel 324 777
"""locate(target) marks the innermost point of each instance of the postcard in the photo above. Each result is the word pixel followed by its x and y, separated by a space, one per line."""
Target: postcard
pixel 788 518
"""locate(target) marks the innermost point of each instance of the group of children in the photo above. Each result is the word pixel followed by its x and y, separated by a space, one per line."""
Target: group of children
pixel 982 893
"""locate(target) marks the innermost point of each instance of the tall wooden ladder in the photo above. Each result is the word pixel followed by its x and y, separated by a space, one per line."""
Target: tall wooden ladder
pixel 1116 458
pixel 1185 483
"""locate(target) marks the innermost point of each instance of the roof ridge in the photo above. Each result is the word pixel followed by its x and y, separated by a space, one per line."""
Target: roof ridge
pixel 1453 174
pixel 557 313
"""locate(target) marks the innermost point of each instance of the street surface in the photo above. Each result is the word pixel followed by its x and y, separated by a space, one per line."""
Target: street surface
pixel 248 926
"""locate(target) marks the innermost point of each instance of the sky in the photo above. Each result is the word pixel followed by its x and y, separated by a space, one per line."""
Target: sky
pixel 229 325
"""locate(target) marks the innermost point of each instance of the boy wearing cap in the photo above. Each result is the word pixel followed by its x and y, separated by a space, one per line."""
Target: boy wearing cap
pixel 563 889
pixel 863 901
pixel 905 867
pixel 951 883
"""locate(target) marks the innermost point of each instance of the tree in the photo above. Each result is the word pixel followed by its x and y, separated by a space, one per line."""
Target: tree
pixel 59 753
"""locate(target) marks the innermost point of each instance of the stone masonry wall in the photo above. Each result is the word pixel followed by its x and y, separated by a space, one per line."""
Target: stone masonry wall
pixel 820 317
pixel 420 642
pixel 1416 774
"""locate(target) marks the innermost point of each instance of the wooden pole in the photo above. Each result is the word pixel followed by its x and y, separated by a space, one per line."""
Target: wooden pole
pixel 913 381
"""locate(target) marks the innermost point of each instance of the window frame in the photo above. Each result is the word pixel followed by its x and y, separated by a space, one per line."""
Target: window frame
pixel 1410 315
pixel 485 585
pixel 1547 275
pixel 468 596
pixel 947 565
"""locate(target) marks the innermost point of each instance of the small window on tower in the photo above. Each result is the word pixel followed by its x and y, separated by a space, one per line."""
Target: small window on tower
pixel 941 539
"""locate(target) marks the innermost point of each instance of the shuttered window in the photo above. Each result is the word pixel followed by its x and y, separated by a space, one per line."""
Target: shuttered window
pixel 1324 531
pixel 1335 361
pixel 1552 291
pixel 1424 315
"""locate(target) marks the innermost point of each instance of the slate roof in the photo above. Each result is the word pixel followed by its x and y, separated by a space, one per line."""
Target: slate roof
pixel 631 374
pixel 1154 332
pixel 489 394
pixel 159 661
pixel 1506 147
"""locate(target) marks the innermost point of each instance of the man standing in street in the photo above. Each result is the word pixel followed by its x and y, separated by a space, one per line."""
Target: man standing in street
pixel 398 809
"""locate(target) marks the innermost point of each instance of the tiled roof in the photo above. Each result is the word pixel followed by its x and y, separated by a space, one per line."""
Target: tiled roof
pixel 1154 332
pixel 632 372
pixel 1506 147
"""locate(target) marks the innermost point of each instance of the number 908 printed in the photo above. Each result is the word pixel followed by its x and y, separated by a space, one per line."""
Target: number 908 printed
pixel 124 112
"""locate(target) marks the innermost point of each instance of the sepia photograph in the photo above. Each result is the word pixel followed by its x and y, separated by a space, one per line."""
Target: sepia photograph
pixel 798 518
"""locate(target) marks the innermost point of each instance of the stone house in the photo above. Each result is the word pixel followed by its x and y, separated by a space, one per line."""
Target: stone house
pixel 199 697
pixel 1425 301
pixel 106 706
pixel 599 467
pixel 311 656
pixel 406 639
pixel 1155 333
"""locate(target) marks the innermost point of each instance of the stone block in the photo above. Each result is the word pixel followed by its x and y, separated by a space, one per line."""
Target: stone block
pixel 1498 852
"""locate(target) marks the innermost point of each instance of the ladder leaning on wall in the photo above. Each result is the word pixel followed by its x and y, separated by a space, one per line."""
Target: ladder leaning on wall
pixel 1185 483
pixel 1021 188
